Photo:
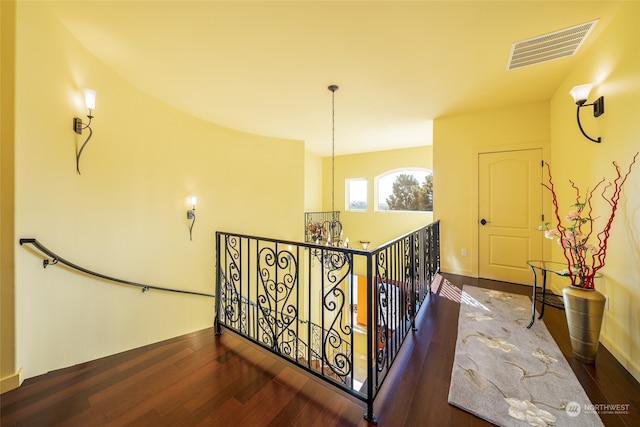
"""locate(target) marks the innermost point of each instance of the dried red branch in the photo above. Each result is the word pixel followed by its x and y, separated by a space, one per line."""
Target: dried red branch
pixel 613 200
pixel 554 199
pixel 573 240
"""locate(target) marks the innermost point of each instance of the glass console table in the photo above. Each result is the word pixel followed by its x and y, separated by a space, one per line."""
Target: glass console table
pixel 557 268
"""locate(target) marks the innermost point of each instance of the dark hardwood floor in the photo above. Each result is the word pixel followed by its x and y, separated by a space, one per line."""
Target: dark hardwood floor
pixel 201 379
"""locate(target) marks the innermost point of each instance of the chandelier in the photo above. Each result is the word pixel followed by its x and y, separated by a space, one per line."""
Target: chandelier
pixel 325 228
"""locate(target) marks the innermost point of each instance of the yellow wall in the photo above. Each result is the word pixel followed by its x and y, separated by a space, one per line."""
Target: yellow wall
pixel 613 65
pixel 312 183
pixel 458 141
pixel 9 377
pixel 125 216
pixel 377 227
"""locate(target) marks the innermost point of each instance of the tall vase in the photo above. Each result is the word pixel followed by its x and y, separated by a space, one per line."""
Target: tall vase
pixel 584 309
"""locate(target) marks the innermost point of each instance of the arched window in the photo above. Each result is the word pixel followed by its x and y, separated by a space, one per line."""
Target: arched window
pixel 405 190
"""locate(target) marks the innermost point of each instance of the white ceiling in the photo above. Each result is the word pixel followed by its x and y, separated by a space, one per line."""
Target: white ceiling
pixel 264 67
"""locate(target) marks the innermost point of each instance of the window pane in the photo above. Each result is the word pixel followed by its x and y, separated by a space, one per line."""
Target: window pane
pixel 356 194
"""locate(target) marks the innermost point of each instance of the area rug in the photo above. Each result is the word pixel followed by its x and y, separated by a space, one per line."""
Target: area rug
pixel 510 375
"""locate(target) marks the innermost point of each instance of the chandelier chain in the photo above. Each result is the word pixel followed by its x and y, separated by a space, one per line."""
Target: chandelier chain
pixel 333 149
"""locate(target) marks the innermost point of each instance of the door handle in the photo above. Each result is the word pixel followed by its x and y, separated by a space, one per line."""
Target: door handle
pixel 484 221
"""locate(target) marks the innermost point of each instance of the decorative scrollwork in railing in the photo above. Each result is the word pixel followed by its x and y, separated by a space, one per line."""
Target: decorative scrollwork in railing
pixel 232 276
pixel 335 304
pixel 276 313
pixel 312 351
pixel 334 354
pixel 382 331
pixel 382 298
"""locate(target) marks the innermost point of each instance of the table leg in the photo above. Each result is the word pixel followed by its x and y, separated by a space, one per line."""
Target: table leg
pixel 533 298
pixel 544 292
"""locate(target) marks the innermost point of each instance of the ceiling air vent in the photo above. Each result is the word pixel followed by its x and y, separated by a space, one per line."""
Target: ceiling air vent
pixel 549 46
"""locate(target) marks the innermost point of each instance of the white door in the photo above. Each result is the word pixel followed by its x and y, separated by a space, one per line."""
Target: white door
pixel 510 211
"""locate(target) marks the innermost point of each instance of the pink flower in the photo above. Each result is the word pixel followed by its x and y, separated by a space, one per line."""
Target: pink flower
pixel 551 234
pixel 573 215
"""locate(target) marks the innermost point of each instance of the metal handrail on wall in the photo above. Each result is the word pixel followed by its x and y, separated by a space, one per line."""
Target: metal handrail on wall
pixel 296 285
pixel 55 259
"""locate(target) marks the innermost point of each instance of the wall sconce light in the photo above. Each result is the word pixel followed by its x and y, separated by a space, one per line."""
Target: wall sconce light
pixel 191 214
pixel 79 126
pixel 365 244
pixel 580 95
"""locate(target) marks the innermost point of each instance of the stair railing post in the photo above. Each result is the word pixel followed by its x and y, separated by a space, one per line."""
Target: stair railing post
pixel 371 354
pixel 218 296
pixel 412 285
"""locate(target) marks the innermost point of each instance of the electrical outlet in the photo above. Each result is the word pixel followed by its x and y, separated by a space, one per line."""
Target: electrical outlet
pixel 463 252
pixel 606 302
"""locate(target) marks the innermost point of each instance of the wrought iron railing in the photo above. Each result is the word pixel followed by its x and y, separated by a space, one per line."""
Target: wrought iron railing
pixel 309 346
pixel 296 300
pixel 403 270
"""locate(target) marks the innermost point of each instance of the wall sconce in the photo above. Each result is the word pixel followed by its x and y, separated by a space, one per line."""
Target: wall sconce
pixel 78 126
pixel 191 214
pixel 365 244
pixel 580 95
